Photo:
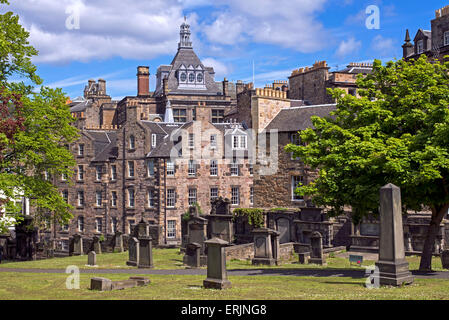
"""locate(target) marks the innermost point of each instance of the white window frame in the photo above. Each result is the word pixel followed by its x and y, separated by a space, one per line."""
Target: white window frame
pixel 170 168
pixel 235 170
pixel 171 198
pixel 235 196
pixel 294 184
pixel 239 142
pixel 171 229
pixel 114 225
pixel 113 172
pixel 193 196
pixel 80 224
pixel 132 142
pixel 213 141
pixel 150 198
pixel 98 198
pixel 213 194
pixel 130 224
pixel 131 198
pixel 213 168
pixel 80 198
pixel 114 198
pixel 98 173
pixel 251 195
pixel 98 224
pixel 192 168
pixel 150 168
pixel 153 140
pixel 191 140
pixel 65 195
pixel 81 150
pixel 131 166
pixel 80 173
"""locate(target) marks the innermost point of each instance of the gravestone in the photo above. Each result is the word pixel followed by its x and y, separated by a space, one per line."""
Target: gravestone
pixel 283 226
pixel 118 242
pixel 92 258
pixel 96 245
pixel 303 251
pixel 216 265
pixel 445 259
pixel 393 268
pixel 192 257
pixel 145 253
pixel 220 220
pixel 316 254
pixel 104 284
pixel 263 247
pixel 134 252
pixel 143 229
pixel 77 245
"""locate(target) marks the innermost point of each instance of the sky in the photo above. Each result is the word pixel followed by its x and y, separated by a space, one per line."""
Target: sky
pixel 80 40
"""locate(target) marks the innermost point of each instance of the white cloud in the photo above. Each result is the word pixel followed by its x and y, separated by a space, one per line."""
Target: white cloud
pixel 348 47
pixel 221 70
pixel 384 46
pixel 133 29
pixel 290 24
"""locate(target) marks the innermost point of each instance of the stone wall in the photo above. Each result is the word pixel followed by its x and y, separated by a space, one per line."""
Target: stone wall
pixel 240 252
pixel 310 84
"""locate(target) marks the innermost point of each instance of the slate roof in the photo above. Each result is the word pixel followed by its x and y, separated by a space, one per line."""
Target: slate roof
pixel 188 57
pixel 164 144
pixel 299 118
pixel 105 145
pixel 80 107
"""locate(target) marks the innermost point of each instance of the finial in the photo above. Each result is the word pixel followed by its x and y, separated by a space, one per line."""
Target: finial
pixel 407 36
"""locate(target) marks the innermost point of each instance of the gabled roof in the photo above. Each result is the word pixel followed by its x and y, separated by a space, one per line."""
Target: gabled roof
pixel 299 118
pixel 105 145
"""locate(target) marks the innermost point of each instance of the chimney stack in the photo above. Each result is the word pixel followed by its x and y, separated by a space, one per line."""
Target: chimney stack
pixel 143 81
pixel 102 86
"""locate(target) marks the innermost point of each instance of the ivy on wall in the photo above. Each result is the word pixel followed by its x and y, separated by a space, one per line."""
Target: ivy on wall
pixel 255 216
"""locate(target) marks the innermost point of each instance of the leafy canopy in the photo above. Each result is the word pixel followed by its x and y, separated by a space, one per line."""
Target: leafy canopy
pixel 397 131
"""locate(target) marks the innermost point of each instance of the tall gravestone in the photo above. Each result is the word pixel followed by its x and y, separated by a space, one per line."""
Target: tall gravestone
pixel 133 251
pixel 145 252
pixel 263 246
pixel 220 220
pixel 316 253
pixel 217 277
pixel 77 245
pixel 96 245
pixel 393 268
pixel 92 258
pixel 118 242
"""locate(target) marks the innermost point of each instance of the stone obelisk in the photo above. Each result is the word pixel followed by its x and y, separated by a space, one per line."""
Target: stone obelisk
pixel 393 268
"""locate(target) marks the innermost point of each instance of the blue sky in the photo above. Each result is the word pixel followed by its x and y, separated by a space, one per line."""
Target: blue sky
pixel 115 37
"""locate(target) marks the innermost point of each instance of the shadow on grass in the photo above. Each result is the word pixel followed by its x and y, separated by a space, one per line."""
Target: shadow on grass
pixel 347 273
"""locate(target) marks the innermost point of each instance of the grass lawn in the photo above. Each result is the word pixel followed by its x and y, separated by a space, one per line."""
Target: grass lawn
pixel 29 286
pixel 166 259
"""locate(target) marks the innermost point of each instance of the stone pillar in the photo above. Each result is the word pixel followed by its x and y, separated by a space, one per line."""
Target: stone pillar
pixel 316 254
pixel 134 252
pixel 143 229
pixel 393 268
pixel 217 277
pixel 145 253
pixel 276 246
pixel 118 242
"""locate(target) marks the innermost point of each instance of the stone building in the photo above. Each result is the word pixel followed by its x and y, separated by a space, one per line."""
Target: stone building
pixel 152 155
pixel 310 84
pixel 433 43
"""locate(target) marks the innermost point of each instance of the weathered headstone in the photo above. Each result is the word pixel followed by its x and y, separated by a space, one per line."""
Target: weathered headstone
pixel 303 251
pixel 263 250
pixel 143 229
pixel 145 253
pixel 445 259
pixel 92 258
pixel 96 245
pixel 104 284
pixel 77 245
pixel 192 257
pixel 393 268
pixel 118 242
pixel 316 254
pixel 220 220
pixel 216 265
pixel 134 251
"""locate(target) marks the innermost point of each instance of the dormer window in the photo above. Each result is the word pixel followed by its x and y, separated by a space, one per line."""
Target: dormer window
pixel 239 142
pixel 183 77
pixel 191 77
pixel 420 47
pixel 199 78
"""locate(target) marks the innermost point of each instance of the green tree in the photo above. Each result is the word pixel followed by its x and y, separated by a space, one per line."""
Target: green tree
pixel 397 131
pixel 35 128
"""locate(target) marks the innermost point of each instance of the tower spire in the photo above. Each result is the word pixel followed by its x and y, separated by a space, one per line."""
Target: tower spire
pixel 184 35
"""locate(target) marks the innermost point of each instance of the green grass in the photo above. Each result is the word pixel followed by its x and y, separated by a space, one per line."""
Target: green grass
pixel 31 286
pixel 165 259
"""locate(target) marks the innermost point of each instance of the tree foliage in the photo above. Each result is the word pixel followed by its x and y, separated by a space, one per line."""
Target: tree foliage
pixel 35 128
pixel 397 131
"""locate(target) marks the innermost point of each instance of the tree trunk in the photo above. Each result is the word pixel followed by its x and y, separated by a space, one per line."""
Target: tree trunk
pixel 432 232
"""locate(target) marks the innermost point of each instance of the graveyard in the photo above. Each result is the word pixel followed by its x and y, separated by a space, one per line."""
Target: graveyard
pixel 209 266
